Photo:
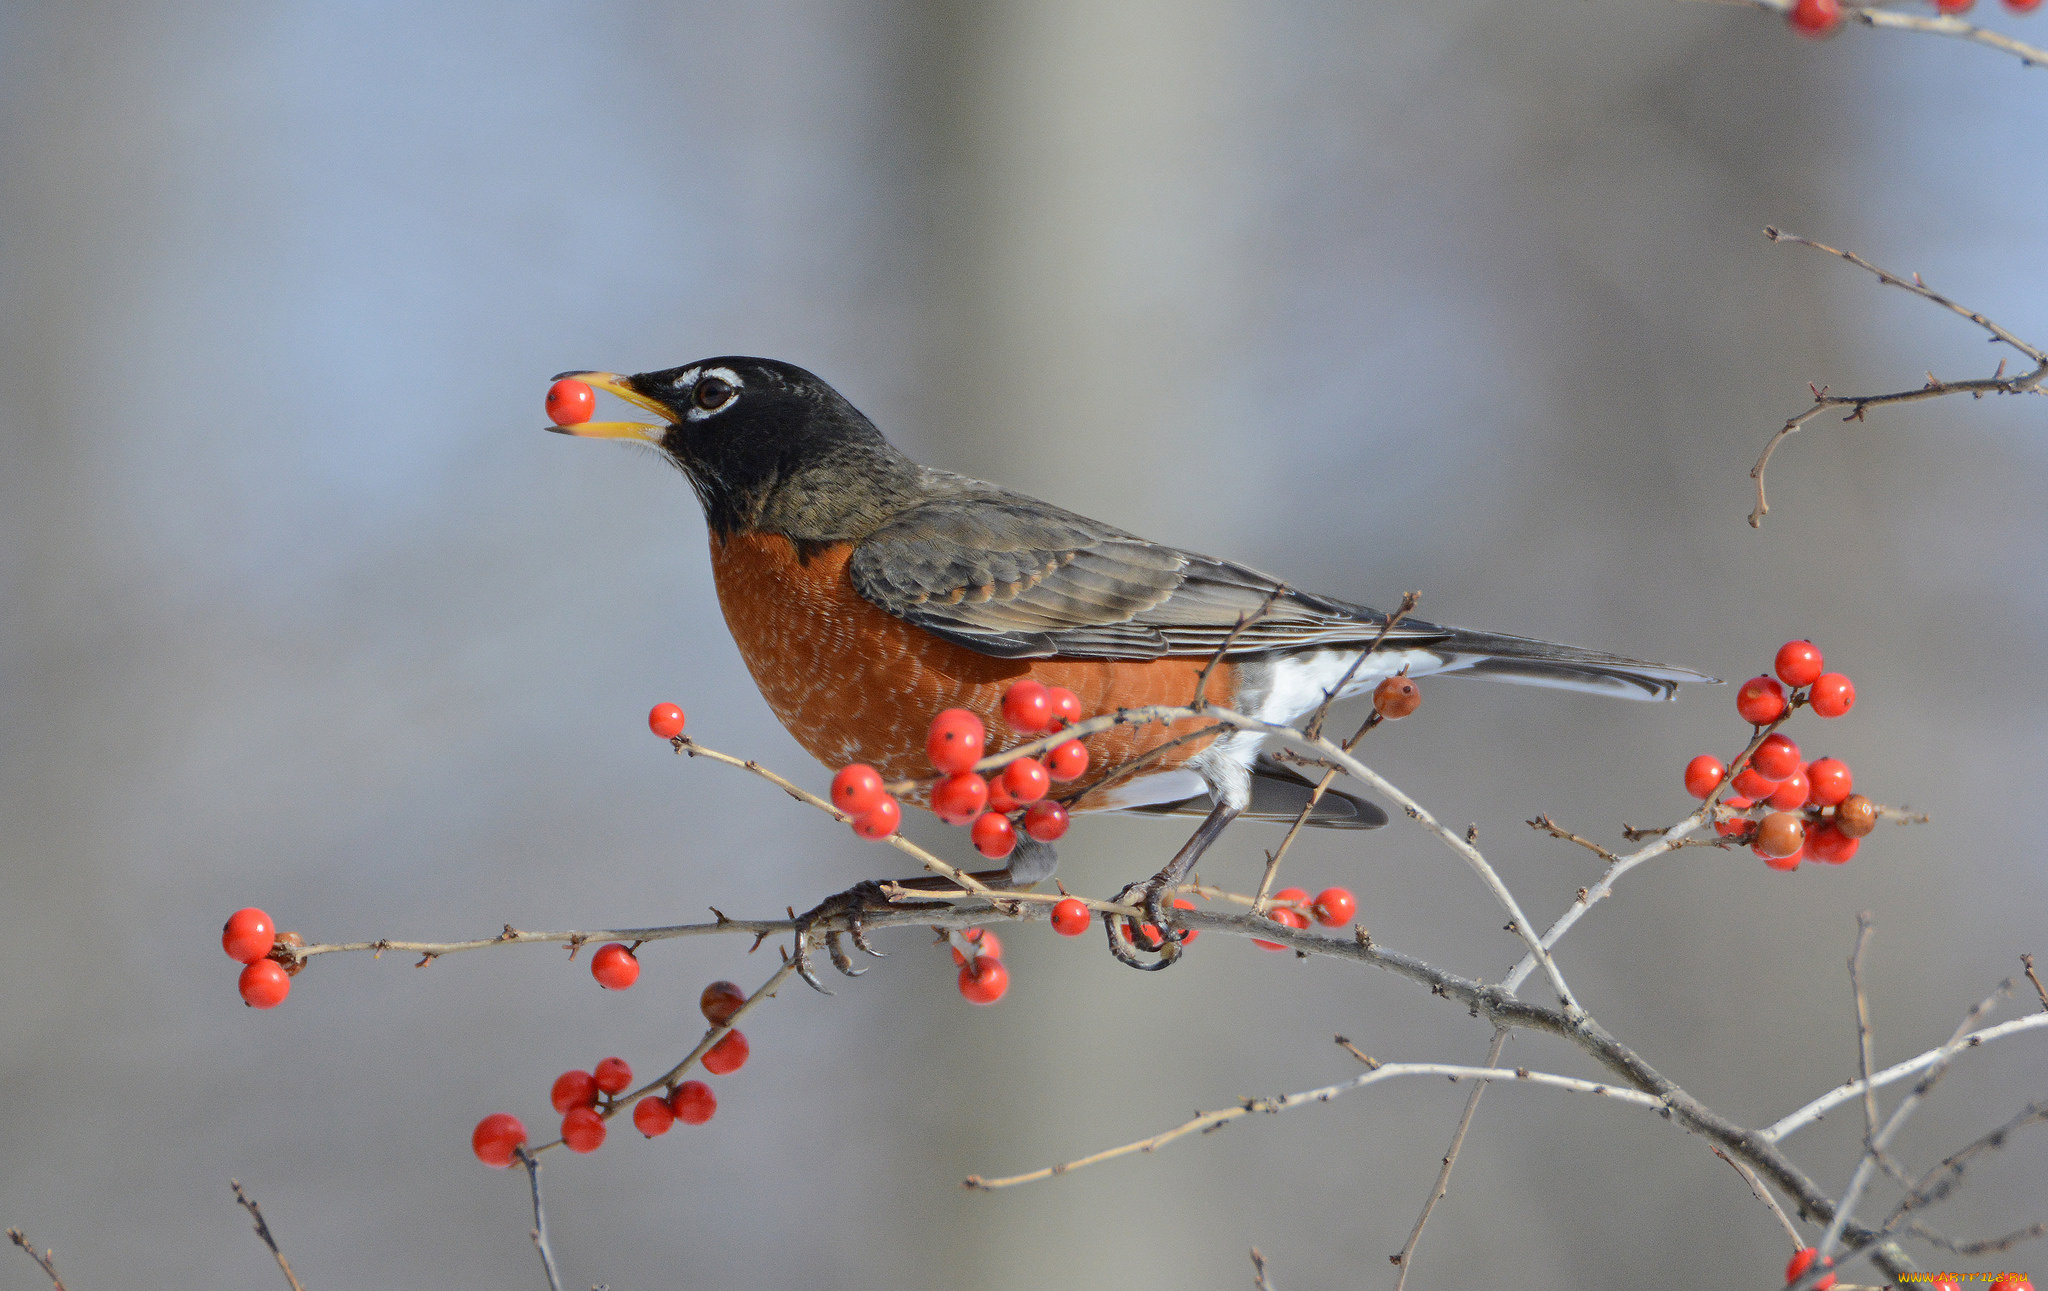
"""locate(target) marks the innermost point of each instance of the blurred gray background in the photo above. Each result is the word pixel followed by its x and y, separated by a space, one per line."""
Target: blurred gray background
pixel 299 608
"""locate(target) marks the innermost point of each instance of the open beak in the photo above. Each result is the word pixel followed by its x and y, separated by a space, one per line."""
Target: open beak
pixel 616 384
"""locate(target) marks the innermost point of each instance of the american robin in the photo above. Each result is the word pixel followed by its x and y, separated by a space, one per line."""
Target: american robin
pixel 867 592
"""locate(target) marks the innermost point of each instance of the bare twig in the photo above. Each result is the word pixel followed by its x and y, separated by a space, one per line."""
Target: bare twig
pixel 1206 1121
pixel 539 1231
pixel 263 1231
pixel 1938 1184
pixel 1864 926
pixel 1555 830
pixel 1405 1258
pixel 48 1259
pixel 2040 990
pixel 1819 1107
pixel 1997 383
pixel 1860 1177
pixel 1261 1280
pixel 1763 1194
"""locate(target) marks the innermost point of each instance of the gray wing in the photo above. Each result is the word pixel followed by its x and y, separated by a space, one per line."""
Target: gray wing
pixel 1013 577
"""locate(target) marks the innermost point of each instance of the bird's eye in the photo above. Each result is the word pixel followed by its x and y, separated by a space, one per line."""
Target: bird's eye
pixel 712 393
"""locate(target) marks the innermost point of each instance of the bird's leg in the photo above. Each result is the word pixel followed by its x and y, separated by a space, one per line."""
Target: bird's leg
pixel 1032 863
pixel 1151 893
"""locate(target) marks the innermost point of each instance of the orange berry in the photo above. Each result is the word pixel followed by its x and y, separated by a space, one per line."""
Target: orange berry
pixel 1396 697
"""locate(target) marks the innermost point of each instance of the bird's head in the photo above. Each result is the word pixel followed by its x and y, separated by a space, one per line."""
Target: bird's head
pixel 747 432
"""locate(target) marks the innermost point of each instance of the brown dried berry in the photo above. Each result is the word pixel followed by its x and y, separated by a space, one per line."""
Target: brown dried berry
pixel 282 951
pixel 720 1001
pixel 1780 834
pixel 1396 697
pixel 1856 815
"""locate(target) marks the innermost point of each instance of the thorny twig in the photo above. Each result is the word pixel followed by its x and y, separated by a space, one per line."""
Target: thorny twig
pixel 1997 383
pixel 263 1231
pixel 1404 1259
pixel 48 1259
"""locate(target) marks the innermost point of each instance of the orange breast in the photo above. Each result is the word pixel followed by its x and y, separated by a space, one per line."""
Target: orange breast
pixel 854 683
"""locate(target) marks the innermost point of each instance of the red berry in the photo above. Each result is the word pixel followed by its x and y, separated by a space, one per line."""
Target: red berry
pixel 1396 697
pixel 570 402
pixel 881 821
pixel 956 741
pixel 1026 779
pixel 1067 761
pixel 494 1138
pixel 1790 794
pixel 1780 834
pixel 1334 907
pixel 1777 757
pixel 1953 6
pixel 1799 663
pixel 613 1075
pixel 1027 707
pixel 1751 783
pixel 994 836
pixel 1828 843
pixel 1066 707
pixel 264 984
pixel 573 1089
pixel 857 789
pixel 958 799
pixel 248 935
pixel 984 941
pixel 1815 17
pixel 1829 781
pixel 614 967
pixel 665 720
pixel 1286 918
pixel 985 980
pixel 1703 775
pixel 2023 6
pixel 1182 903
pixel 1285 895
pixel 720 1001
pixel 999 799
pixel 1070 917
pixel 1833 695
pixel 653 1116
pixel 2012 1281
pixel 1802 1261
pixel 1947 1284
pixel 1786 863
pixel 1045 821
pixel 583 1130
pixel 1731 828
pixel 728 1055
pixel 1761 701
pixel 693 1102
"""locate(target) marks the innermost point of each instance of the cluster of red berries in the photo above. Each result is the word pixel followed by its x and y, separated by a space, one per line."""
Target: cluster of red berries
pixel 1817 815
pixel 586 1099
pixel 249 937
pixel 988 806
pixel 1801 1261
pixel 1822 17
pixel 1289 907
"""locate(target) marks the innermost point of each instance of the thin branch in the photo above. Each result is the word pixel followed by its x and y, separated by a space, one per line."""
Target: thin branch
pixel 539 1231
pixel 1207 1121
pixel 1944 25
pixel 1405 1258
pixel 1859 1179
pixel 1555 830
pixel 1865 925
pixel 263 1231
pixel 2040 990
pixel 48 1259
pixel 1261 1280
pixel 1819 1107
pixel 1764 1195
pixel 1997 383
pixel 1938 1184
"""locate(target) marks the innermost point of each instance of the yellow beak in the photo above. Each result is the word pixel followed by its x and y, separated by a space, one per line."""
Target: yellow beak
pixel 613 383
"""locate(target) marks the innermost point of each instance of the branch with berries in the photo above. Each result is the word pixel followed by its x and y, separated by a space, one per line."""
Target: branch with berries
pixel 2034 381
pixel 1769 797
pixel 1822 18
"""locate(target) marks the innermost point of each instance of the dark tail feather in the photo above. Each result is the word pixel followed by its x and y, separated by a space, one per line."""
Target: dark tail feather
pixel 1546 663
pixel 1279 792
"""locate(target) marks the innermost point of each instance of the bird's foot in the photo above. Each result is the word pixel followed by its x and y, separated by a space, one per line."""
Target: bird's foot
pixel 848 906
pixel 1156 935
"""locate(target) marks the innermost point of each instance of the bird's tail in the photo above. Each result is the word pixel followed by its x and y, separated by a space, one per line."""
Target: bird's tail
pixel 1546 663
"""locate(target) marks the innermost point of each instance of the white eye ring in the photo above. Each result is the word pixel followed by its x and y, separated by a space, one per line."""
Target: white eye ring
pixel 731 379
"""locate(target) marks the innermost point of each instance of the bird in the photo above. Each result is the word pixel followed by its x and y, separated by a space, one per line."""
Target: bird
pixel 867 592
